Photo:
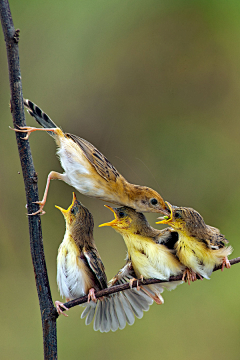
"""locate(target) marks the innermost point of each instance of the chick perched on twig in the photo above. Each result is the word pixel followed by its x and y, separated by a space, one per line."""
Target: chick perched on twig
pixel 80 271
pixel 89 171
pixel 149 250
pixel 200 247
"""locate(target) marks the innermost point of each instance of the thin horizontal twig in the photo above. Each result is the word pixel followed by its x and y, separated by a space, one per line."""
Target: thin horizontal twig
pixel 126 286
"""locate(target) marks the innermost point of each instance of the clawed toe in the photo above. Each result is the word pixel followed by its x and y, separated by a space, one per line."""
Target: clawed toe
pixel 60 305
pixel 131 283
pixel 91 296
pixel 226 263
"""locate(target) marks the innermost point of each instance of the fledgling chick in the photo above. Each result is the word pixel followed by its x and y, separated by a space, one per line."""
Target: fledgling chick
pixel 80 271
pixel 200 247
pixel 147 250
pixel 89 171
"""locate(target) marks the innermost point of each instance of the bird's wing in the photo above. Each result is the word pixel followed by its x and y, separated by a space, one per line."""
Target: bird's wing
pixel 101 164
pixel 95 263
pixel 125 273
pixel 216 239
pixel 114 311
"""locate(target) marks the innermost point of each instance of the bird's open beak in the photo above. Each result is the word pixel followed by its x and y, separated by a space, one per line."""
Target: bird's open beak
pixel 65 212
pixel 166 219
pixel 113 222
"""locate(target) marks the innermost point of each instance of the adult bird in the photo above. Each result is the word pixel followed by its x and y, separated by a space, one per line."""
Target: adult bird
pixel 89 171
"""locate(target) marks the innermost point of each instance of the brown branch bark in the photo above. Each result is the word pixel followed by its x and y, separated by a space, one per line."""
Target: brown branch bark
pixel 11 37
pixel 118 288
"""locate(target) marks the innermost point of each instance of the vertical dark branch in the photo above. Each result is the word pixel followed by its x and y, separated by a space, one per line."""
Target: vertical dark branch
pixel 30 180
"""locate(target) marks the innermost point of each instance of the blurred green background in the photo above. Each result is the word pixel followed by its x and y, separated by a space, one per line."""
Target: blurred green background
pixel 155 86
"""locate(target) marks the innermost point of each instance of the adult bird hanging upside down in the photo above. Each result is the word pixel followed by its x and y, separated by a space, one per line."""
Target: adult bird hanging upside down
pixel 89 171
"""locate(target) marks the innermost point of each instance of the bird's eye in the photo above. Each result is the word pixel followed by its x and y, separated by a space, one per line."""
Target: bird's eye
pixel 73 211
pixel 121 214
pixel 153 201
pixel 177 215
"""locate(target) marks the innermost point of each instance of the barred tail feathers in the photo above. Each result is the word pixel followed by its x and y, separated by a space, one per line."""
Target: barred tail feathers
pixel 41 117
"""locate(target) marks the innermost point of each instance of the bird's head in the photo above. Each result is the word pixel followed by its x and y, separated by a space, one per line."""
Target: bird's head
pixel 145 199
pixel 183 219
pixel 77 217
pixel 126 220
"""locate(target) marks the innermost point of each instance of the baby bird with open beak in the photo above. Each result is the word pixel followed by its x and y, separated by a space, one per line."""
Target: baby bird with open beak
pixel 200 247
pixel 149 250
pixel 80 271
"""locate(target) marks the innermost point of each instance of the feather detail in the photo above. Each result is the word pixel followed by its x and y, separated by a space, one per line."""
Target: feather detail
pixel 117 310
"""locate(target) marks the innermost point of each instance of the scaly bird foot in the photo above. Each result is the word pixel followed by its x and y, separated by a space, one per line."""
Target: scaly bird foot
pixel 189 276
pixel 40 210
pixel 226 263
pixel 131 283
pixel 91 296
pixel 60 305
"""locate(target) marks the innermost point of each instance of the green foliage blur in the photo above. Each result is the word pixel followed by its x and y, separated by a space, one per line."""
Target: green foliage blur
pixel 155 86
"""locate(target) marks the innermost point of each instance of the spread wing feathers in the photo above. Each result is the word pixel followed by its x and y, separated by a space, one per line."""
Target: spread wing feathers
pixel 41 117
pixel 96 158
pixel 95 263
pixel 117 310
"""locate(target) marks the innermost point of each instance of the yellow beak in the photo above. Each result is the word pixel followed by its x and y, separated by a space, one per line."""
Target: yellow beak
pixel 113 222
pixel 65 212
pixel 166 219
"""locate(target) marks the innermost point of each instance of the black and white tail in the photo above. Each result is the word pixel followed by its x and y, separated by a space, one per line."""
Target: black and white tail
pixel 41 117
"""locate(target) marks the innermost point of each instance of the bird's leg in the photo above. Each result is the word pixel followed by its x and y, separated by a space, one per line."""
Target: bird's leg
pixel 91 295
pixel 29 130
pixel 131 283
pixel 226 263
pixel 188 276
pixel 53 175
pixel 157 297
pixel 132 280
pixel 60 305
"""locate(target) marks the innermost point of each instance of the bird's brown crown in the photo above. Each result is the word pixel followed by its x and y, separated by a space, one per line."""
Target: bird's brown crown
pixel 128 220
pixel 145 199
pixel 184 219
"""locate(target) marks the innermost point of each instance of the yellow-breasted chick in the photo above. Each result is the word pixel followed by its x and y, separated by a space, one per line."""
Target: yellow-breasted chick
pixel 89 171
pixel 147 250
pixel 200 247
pixel 80 271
